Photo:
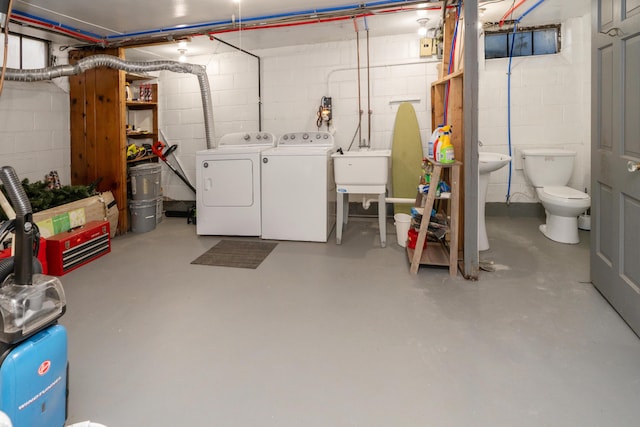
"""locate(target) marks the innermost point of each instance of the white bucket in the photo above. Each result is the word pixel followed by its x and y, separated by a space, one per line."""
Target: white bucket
pixel 403 223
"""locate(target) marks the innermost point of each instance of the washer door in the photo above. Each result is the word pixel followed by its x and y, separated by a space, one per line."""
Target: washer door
pixel 227 183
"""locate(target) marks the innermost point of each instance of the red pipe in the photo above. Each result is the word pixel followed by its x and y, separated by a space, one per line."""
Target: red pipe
pixel 317 21
pixel 504 17
pixel 289 24
pixel 103 42
pixel 58 29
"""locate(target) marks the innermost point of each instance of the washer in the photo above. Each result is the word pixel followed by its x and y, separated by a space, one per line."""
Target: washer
pixel 228 185
pixel 298 188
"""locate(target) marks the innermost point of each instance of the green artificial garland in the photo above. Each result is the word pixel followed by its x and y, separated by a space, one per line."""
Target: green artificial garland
pixel 43 198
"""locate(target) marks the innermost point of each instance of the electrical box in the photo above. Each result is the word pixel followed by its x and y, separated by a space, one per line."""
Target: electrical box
pixel 325 109
pixel 428 47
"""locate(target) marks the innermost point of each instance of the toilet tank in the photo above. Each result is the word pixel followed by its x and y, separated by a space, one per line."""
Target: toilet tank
pixel 548 166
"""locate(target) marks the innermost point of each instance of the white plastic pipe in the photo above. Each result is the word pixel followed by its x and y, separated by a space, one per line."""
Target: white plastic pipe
pixel 366 203
pixel 400 200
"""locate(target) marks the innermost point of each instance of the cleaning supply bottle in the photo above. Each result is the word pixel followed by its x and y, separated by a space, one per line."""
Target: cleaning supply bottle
pixel 445 148
pixel 432 142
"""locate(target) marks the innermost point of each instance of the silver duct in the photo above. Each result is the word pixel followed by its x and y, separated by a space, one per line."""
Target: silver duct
pixel 130 66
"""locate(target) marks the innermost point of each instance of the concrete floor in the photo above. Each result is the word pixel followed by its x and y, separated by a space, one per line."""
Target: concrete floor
pixel 327 335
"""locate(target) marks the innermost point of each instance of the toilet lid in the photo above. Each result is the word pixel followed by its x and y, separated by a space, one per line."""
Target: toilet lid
pixel 565 192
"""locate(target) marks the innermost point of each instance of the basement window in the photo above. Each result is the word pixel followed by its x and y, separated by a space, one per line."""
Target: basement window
pixel 25 52
pixel 526 42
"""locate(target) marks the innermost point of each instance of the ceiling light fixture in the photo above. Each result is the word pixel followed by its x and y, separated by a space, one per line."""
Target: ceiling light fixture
pixel 422 30
pixel 183 56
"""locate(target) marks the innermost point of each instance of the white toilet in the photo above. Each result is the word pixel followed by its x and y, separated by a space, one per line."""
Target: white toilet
pixel 549 170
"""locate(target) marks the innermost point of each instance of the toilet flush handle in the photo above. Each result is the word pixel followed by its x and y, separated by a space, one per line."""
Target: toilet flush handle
pixel 633 166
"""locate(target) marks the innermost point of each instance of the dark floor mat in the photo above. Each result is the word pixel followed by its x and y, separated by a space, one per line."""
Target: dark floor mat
pixel 236 253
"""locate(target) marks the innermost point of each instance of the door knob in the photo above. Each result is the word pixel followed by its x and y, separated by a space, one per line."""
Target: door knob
pixel 633 166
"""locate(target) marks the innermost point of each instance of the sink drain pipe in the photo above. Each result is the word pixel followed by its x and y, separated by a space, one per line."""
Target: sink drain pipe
pixel 366 203
pixel 110 61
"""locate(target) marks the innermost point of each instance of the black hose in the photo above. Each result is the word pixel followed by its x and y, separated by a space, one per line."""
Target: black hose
pixel 7 264
pixel 24 225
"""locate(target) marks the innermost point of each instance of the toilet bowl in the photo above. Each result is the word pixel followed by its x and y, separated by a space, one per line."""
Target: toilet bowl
pixel 562 206
pixel 549 170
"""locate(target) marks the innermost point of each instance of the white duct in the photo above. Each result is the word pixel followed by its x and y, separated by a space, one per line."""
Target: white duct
pixel 95 61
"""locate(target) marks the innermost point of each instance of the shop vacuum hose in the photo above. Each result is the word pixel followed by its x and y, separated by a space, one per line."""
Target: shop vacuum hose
pixel 95 61
pixel 23 261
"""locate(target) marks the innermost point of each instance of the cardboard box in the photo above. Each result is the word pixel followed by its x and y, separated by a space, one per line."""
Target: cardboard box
pixel 102 207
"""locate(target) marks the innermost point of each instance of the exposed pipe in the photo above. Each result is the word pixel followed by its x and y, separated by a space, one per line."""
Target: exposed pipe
pixel 95 61
pixel 511 10
pixel 207 28
pixel 259 77
pixel 344 10
pixel 19 16
pixel 528 11
pixel 402 200
pixel 369 112
pixel 513 42
pixel 5 17
pixel 451 60
pixel 355 24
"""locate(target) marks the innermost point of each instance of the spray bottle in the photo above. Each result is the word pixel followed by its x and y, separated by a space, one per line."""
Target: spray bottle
pixel 445 153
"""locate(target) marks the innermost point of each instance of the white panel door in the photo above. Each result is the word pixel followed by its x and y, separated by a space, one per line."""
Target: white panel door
pixel 615 237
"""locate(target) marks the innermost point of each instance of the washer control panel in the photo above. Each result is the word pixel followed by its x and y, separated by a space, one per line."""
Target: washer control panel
pixel 247 139
pixel 312 138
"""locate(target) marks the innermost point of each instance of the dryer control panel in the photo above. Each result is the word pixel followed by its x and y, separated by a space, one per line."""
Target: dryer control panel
pixel 311 138
pixel 247 139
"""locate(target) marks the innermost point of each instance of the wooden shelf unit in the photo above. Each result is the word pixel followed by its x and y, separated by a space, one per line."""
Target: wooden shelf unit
pixel 98 117
pixel 145 112
pixel 438 253
pixel 450 87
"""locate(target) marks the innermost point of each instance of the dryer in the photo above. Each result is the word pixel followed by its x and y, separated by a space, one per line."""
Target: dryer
pixel 298 188
pixel 228 200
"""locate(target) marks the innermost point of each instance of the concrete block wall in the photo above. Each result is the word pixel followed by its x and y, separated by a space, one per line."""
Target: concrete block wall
pixel 294 79
pixel 550 107
pixel 34 130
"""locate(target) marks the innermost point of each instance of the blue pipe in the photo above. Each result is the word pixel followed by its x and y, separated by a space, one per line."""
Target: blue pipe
pixel 528 11
pixel 57 24
pixel 446 88
pixel 260 18
pixel 212 23
pixel 513 39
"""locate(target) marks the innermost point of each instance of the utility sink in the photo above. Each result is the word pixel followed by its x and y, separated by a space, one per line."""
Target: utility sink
pixel 489 162
pixel 365 167
pixel 361 172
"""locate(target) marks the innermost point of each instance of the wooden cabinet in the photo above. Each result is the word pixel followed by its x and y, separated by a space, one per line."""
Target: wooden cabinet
pixel 98 118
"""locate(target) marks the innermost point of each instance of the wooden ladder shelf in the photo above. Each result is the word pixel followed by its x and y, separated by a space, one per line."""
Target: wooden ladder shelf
pixel 437 253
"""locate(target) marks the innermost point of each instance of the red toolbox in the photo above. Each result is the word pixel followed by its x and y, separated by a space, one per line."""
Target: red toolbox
pixel 74 248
